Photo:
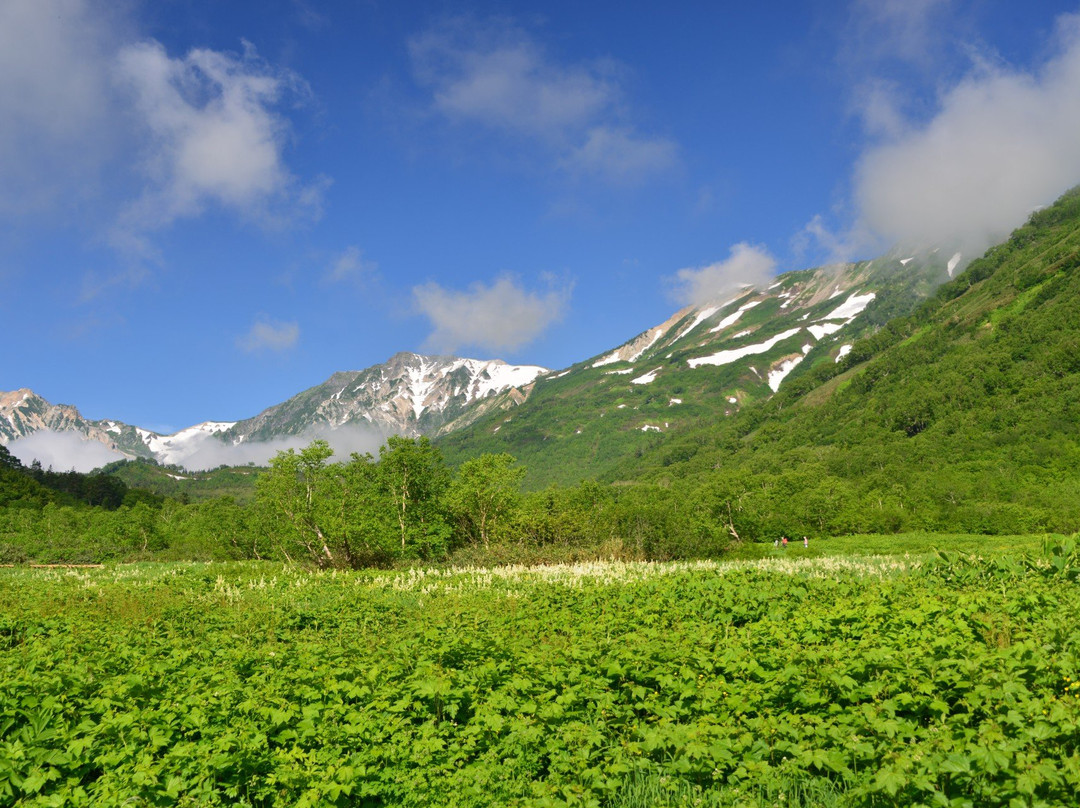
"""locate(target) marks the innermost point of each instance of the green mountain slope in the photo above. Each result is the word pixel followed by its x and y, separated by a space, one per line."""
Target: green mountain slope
pixel 703 366
pixel 964 415
pixel 176 482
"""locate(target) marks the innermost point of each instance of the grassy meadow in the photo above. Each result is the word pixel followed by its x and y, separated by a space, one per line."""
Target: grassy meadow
pixel 864 671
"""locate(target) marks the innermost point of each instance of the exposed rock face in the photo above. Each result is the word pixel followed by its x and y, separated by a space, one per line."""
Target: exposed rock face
pixel 408 395
pixel 23 412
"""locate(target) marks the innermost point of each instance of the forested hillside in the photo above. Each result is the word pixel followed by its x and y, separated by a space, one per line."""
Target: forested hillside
pixel 964 415
pixel 705 364
pixel 177 482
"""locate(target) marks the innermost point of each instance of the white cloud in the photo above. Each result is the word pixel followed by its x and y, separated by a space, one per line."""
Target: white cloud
pixel 498 77
pixel 62 451
pixel 622 157
pixel 55 101
pixel 81 93
pixel 208 451
pixel 878 103
pixel 1001 143
pixel 270 335
pixel 213 135
pixel 500 317
pixel 747 265
pixel 349 266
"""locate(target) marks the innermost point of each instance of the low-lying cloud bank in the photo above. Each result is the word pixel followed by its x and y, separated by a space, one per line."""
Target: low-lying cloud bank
pixel 67 451
pixel 62 451
pixel 205 451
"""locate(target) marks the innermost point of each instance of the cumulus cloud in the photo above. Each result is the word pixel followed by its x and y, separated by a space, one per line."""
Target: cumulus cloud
pixel 1002 143
pixel 747 265
pixel 500 317
pixel 269 335
pixel 349 266
pixel 100 123
pixel 212 132
pixel 496 76
pixel 62 451
pixel 207 451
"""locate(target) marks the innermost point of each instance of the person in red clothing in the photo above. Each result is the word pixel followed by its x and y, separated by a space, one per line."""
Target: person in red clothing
pixel 783 541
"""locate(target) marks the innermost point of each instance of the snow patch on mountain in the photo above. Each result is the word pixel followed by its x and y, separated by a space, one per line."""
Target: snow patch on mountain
pixel 823 330
pixel 953 263
pixel 732 318
pixel 702 316
pixel 777 376
pixel 850 308
pixel 495 376
pixel 632 350
pixel 731 355
pixel 647 378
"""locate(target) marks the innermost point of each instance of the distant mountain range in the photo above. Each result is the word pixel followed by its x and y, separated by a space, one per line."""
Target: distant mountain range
pixel 705 360
pixel 409 394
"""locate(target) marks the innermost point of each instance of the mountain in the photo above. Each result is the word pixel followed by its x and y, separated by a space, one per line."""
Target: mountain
pixel 23 412
pixel 962 416
pixel 705 362
pixel 408 395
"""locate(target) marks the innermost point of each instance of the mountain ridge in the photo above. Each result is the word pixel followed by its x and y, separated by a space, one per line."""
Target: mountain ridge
pixel 410 394
pixel 706 361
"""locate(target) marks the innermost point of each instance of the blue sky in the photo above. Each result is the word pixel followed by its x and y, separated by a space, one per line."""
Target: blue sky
pixel 207 207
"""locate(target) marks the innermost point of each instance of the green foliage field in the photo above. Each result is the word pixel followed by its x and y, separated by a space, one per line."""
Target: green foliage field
pixel 834 681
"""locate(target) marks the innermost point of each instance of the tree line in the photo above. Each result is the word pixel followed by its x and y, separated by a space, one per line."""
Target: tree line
pixel 405 505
